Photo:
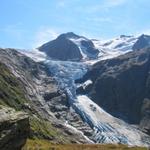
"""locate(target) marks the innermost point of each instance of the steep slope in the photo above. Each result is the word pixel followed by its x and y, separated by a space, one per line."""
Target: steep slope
pixel 28 86
pixel 11 92
pixel 121 87
pixel 70 46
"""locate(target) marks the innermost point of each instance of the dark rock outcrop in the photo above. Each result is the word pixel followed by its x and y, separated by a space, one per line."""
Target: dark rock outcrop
pixel 142 42
pixel 122 86
pixel 145 121
pixel 14 128
pixel 63 48
pixel 89 48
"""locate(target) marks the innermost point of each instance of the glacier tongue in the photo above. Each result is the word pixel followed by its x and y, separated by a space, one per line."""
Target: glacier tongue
pixel 65 73
pixel 107 129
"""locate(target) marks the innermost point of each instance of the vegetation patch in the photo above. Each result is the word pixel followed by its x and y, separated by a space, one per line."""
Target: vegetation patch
pixel 11 91
pixel 46 145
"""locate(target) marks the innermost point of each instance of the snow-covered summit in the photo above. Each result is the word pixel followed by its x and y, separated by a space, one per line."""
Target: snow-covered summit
pixel 69 46
pixel 115 47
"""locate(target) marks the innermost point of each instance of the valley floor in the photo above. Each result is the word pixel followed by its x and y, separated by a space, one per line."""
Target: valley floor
pixel 46 145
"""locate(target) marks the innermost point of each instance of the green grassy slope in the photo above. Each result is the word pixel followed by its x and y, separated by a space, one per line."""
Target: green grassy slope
pixel 45 145
pixel 11 91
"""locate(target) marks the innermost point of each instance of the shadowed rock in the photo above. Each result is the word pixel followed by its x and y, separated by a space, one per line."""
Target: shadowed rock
pixel 142 42
pixel 65 47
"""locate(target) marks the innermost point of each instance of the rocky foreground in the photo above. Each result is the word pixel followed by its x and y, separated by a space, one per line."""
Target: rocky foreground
pixel 14 128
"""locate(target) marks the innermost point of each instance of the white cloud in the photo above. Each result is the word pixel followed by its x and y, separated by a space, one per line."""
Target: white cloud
pixel 99 19
pixel 104 5
pixel 113 3
pixel 145 31
pixel 65 3
pixel 44 35
pixel 61 3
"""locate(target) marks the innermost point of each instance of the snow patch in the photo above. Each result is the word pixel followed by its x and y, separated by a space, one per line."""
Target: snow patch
pixel 77 131
pixel 35 54
pixel 86 83
pixel 83 49
pixel 78 43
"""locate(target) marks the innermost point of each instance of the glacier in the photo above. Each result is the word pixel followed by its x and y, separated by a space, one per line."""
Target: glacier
pixel 107 129
pixel 65 73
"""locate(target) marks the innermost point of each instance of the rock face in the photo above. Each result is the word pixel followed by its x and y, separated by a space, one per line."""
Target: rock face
pixel 61 49
pixel 14 128
pixel 69 46
pixel 142 42
pixel 145 121
pixel 122 86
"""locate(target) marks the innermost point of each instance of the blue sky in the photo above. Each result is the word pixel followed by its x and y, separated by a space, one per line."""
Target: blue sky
pixel 29 23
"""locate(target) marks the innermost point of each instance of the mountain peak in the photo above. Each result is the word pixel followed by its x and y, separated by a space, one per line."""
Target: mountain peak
pixel 69 35
pixel 145 36
pixel 69 46
pixel 142 42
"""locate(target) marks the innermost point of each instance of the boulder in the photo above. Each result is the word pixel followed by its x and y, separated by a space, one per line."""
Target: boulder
pixel 14 128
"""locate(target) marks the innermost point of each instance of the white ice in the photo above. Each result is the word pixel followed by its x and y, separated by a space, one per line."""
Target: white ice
pixel 108 129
